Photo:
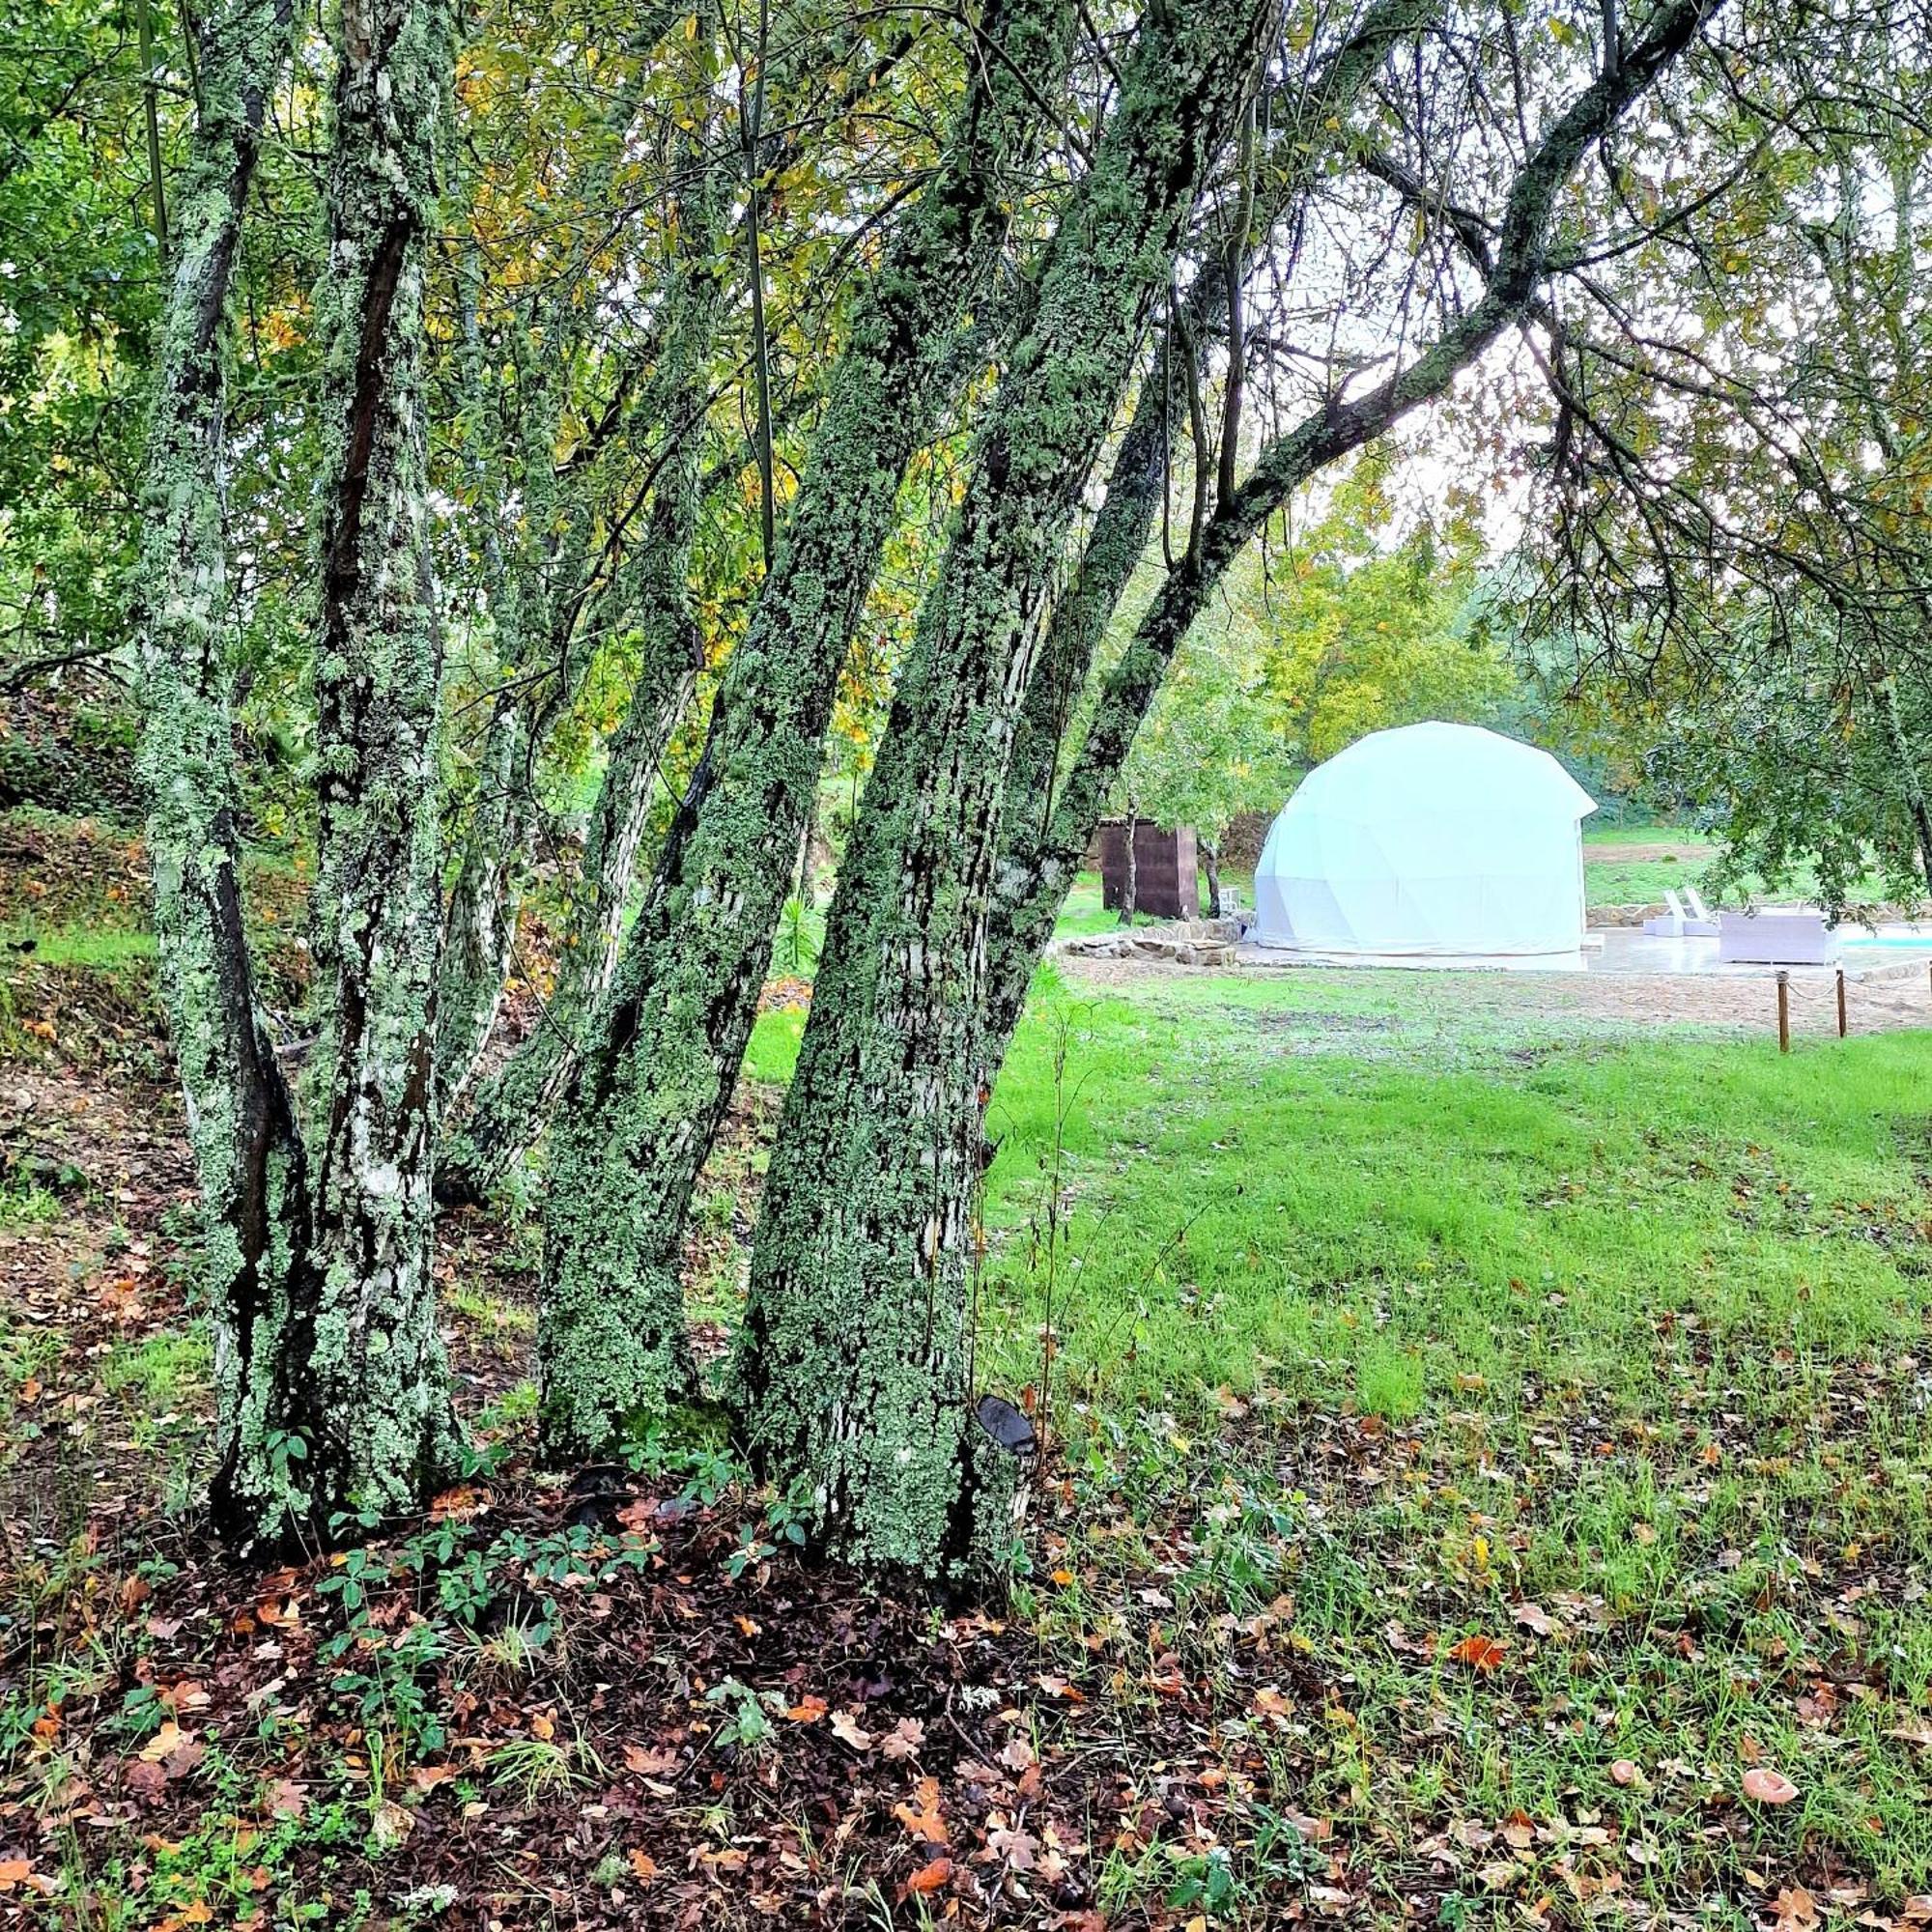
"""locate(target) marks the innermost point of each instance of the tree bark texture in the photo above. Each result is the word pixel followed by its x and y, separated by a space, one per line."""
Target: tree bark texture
pixel 657 1069
pixel 852 1373
pixel 248 1153
pixel 1034 877
pixel 372 1373
pixel 649 596
pixel 1137 485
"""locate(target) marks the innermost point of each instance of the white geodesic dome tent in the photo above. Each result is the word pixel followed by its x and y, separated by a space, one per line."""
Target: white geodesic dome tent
pixel 1430 839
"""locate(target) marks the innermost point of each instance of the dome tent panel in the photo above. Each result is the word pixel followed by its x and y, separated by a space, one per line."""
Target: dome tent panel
pixel 1427 840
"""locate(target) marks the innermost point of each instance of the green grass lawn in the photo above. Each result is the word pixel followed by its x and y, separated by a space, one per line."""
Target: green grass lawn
pixel 1606 1349
pixel 1508 1428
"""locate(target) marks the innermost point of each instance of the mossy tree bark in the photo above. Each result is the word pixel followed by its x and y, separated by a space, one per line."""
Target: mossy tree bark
pixel 1049 826
pixel 1305 119
pixel 331 1386
pixel 571 581
pixel 852 1375
pixel 649 596
pixel 656 1068
pixel 248 1152
pixel 372 1375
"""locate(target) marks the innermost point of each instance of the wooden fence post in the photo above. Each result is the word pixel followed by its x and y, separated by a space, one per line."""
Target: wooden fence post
pixel 1783 1010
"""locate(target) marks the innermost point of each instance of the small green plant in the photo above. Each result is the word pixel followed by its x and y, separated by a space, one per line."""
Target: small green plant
pixel 747 1723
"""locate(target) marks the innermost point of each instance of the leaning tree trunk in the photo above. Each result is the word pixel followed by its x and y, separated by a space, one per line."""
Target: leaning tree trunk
pixel 852 1376
pixel 371 1375
pixel 480 921
pixel 248 1153
pixel 1306 117
pixel 650 597
pixel 512 1105
pixel 1211 853
pixel 657 1070
pixel 1047 833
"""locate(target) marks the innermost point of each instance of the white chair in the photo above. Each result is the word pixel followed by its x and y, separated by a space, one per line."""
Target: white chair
pixel 1671 925
pixel 1702 924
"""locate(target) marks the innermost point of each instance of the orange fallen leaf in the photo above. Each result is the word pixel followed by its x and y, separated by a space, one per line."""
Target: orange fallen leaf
pixel 643 1864
pixel 921 1816
pixel 13 1873
pixel 167 1740
pixel 929 1878
pixel 809 1708
pixel 1479 1653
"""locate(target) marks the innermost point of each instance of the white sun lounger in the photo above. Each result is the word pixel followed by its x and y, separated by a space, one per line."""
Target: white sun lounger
pixel 1701 923
pixel 1776 938
pixel 1670 924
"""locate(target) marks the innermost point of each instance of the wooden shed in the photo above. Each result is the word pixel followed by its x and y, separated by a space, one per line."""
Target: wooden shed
pixel 1166 879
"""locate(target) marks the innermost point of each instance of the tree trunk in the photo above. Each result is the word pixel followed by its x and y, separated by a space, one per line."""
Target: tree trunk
pixel 248 1153
pixel 1908 775
pixel 370 1378
pixel 649 596
pixel 1055 826
pixel 1137 485
pixel 852 1372
pixel 1211 854
pixel 1130 886
pixel 480 921
pixel 658 1070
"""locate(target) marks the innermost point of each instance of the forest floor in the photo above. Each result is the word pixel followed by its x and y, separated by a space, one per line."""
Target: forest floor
pixel 1488 1483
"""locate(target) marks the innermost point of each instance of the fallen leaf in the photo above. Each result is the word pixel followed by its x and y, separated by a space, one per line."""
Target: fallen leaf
pixel 1623 1771
pixel 848 1730
pixel 643 1864
pixel 391 1824
pixel 1480 1653
pixel 13 1873
pixel 1797 1909
pixel 921 1816
pixel 1018 1847
pixel 808 1710
pixel 1533 1617
pixel 167 1740
pixel 1764 1786
pixel 906 1739
pixel 284 1798
pixel 929 1878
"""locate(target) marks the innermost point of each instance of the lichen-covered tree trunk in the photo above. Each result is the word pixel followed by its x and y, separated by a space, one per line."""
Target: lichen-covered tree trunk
pixel 480 921
pixel 247 1148
pixel 852 1373
pixel 512 1107
pixel 658 1067
pixel 1306 119
pixel 649 598
pixel 1049 825
pixel 372 1371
